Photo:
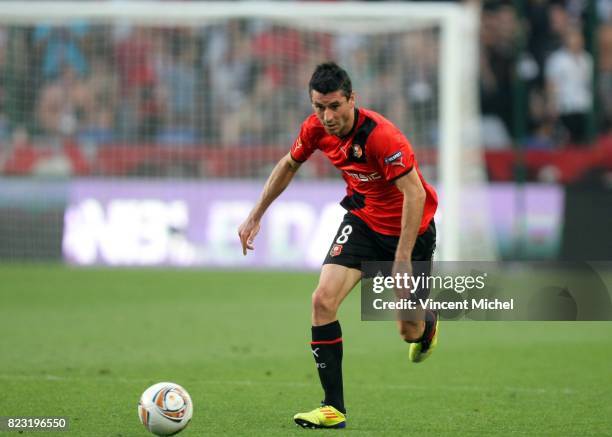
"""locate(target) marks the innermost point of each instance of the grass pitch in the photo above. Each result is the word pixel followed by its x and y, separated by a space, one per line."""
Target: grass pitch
pixel 85 344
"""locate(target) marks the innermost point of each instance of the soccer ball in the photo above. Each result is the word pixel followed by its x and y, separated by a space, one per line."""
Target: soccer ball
pixel 165 408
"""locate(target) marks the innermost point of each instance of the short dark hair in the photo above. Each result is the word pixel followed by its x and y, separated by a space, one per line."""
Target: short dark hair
pixel 330 77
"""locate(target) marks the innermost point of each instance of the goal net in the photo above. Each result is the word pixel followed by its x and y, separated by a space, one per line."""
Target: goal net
pixel 119 120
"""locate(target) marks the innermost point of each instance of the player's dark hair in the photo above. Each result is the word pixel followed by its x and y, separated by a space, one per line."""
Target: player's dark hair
pixel 330 77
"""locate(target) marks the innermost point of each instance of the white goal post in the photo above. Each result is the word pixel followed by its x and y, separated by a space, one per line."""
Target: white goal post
pixel 463 234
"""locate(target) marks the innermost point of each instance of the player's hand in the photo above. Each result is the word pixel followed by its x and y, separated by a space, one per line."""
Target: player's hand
pixel 402 269
pixel 247 232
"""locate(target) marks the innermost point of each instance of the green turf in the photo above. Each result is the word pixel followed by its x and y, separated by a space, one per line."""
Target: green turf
pixel 86 343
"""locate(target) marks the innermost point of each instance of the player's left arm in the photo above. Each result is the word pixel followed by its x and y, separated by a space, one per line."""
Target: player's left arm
pixel 412 212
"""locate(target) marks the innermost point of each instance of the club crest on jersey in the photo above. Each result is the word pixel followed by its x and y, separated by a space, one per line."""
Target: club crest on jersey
pixel 354 152
pixel 335 250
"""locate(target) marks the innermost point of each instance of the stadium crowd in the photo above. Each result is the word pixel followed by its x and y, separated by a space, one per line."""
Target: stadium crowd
pixel 241 83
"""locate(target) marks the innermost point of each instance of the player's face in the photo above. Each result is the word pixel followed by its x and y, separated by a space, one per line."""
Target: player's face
pixel 335 111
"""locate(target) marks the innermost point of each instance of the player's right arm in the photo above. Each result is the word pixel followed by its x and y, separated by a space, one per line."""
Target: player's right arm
pixel 279 179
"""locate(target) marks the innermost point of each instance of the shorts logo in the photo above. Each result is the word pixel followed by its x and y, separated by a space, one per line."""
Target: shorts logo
pixel 394 157
pixel 357 151
pixel 335 250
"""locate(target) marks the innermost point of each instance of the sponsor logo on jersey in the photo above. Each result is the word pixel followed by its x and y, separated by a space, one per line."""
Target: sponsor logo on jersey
pixel 335 251
pixel 364 177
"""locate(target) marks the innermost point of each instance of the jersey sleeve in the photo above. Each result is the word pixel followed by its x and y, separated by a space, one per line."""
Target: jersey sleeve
pixel 393 153
pixel 304 145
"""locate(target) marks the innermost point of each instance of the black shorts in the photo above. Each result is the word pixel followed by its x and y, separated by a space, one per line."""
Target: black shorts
pixel 355 243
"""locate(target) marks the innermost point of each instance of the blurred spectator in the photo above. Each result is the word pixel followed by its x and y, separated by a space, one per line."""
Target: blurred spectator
pixel 134 58
pixel 346 48
pixel 263 115
pixel 543 133
pixel 360 66
pixel 279 52
pixel 99 105
pixel 546 24
pixel 605 77
pixel 61 46
pixel 18 83
pixel 140 107
pixel 560 20
pixel 80 108
pixel 232 71
pixel 419 86
pixel 4 122
pixel 62 104
pixel 148 112
pixel 178 87
pixel 497 60
pixel 569 73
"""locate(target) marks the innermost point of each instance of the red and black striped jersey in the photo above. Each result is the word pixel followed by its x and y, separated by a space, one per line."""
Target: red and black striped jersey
pixel 371 157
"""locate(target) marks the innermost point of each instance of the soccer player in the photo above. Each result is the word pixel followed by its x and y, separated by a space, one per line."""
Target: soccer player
pixel 390 209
